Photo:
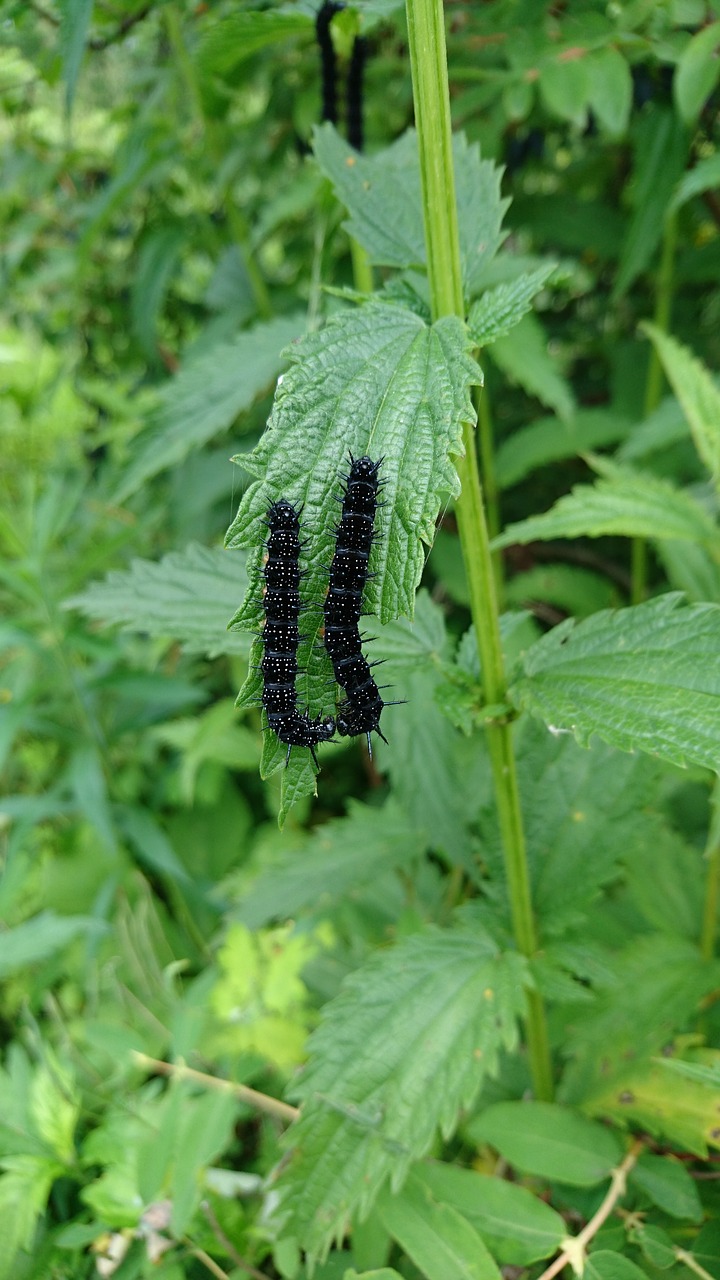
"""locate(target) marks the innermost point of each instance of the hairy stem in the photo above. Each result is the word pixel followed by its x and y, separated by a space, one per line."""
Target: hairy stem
pixel 426 33
pixel 491 493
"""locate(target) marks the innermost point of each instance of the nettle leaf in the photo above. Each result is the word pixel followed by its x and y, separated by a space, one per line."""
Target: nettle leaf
pixel 524 357
pixel 187 596
pixel 552 439
pixel 623 501
pixel 515 1224
pixel 645 678
pixel 383 196
pixel 660 983
pixel 501 308
pixel 405 1045
pixel 549 1141
pixel 697 393
pixel 206 397
pixel 342 855
pixel 376 380
pixel 441 1242
pixel 583 811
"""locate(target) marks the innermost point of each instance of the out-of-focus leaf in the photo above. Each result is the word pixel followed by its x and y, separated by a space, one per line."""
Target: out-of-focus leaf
pixel 75 18
pixel 697 393
pixel 704 177
pixel 549 1141
pixel 603 1264
pixel 239 37
pixel 660 154
pixel 440 1241
pixel 515 1224
pixel 187 596
pixel 697 72
pixel 41 937
pixel 669 1185
pixel 552 439
pixel 523 355
pixel 610 89
pixel 158 256
pixel 206 397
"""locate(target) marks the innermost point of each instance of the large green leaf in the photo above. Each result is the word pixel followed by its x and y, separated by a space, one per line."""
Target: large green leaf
pixel 697 393
pixel 403 1047
pixel 683 1112
pixel 377 380
pixel 705 176
pixel 523 355
pixel 343 855
pixel 501 308
pixel 549 1141
pixel 623 501
pixel 206 397
pixel 645 678
pixel 187 596
pixel 41 937
pixel 442 1243
pixel 383 196
pixel 517 1226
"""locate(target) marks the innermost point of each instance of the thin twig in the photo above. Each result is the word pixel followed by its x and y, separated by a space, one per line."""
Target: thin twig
pixel 228 1246
pixel 261 1101
pixel 692 1264
pixel 574 1246
pixel 208 1262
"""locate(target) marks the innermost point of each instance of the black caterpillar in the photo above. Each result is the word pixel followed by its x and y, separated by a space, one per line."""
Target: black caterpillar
pixel 361 710
pixel 354 93
pixel 281 635
pixel 328 59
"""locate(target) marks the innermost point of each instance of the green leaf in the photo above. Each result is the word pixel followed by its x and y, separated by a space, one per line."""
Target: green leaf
pixel 159 253
pixel 697 393
pixel 564 88
pixel 238 38
pixel 500 309
pixel 669 1185
pixel 680 1111
pixel 623 501
pixel 660 156
pixel 697 72
pixel 187 596
pixel 439 1240
pixel 343 855
pixel 582 812
pixel 40 938
pixel 517 1226
pixel 610 89
pixel 603 1264
pixel 552 439
pixel 75 16
pixel 523 355
pixel 55 1108
pixel 403 1047
pixel 384 1273
pixel 645 678
pixel 382 194
pixel 574 590
pixel 549 1141
pixel 656 1245
pixel 24 1189
pixel 704 177
pixel 206 397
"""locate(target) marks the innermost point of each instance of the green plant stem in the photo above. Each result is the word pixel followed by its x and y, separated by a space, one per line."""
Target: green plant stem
pixel 489 480
pixel 654 384
pixel 426 33
pixel 236 221
pixel 708 931
pixel 362 268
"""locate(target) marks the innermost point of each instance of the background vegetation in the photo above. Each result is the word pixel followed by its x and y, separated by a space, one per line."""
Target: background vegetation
pixel 170 223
